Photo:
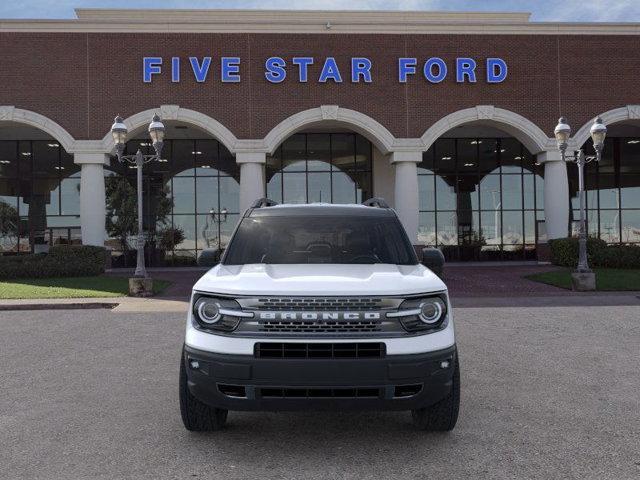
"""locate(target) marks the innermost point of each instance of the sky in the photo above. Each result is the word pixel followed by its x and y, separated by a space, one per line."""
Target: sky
pixel 542 10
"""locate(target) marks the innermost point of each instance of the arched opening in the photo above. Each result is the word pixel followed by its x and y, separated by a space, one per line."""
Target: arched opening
pixel 191 197
pixel 481 195
pixel 327 154
pixel 612 187
pixel 39 190
pixel 321 165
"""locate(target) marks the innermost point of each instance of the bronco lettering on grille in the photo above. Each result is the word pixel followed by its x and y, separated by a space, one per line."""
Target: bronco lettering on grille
pixel 319 315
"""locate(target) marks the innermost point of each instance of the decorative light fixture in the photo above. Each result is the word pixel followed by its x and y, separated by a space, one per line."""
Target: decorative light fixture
pixel 119 133
pixel 562 133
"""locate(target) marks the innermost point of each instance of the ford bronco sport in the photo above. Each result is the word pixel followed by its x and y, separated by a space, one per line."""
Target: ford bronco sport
pixel 319 306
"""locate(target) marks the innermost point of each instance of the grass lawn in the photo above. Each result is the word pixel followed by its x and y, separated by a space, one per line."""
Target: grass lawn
pixel 607 279
pixel 73 287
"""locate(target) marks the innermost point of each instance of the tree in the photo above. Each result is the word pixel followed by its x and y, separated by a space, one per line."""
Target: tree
pixel 9 222
pixel 122 209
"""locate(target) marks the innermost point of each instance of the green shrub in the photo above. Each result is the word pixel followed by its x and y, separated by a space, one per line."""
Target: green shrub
pixel 564 252
pixel 619 256
pixel 61 261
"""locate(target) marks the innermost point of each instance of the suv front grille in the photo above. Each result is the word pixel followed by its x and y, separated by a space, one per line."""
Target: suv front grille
pixel 320 326
pixel 319 303
pixel 319 350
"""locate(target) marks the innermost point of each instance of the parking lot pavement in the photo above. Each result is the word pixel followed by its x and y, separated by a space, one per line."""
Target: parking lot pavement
pixel 546 393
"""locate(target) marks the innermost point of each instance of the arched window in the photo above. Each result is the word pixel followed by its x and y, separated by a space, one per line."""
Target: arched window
pixel 612 189
pixel 480 199
pixel 191 200
pixel 39 195
pixel 321 167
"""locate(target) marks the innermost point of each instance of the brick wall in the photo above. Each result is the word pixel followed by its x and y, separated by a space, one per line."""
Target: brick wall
pixel 81 80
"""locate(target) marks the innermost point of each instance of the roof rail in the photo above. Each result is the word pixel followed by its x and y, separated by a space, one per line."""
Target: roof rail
pixel 376 202
pixel 263 202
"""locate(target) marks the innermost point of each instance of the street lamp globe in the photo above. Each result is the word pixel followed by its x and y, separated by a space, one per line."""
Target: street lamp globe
pixel 156 132
pixel 562 133
pixel 119 133
pixel 598 133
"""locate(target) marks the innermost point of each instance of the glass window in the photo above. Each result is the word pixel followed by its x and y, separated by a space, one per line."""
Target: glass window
pixel 488 155
pixel 293 153
pixel 427 228
pixel 629 155
pixel 329 239
pixel 445 156
pixel 318 152
pixel 343 151
pixel 319 187
pixel 512 192
pixel 230 194
pixel 274 187
pixel 610 225
pixel 426 187
pixel 630 226
pixel 445 194
pixel 183 156
pixel 485 212
pixel 467 154
pixel 206 194
pixel 8 159
pixel 183 193
pixel 343 187
pixel 294 187
pixel 320 167
pixel 630 191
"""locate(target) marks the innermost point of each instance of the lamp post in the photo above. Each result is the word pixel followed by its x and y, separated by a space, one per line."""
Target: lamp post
pixel 156 132
pixel 583 278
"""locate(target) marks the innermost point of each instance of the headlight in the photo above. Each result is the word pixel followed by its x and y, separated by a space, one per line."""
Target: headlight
pixel 426 313
pixel 213 313
pixel 431 310
pixel 208 310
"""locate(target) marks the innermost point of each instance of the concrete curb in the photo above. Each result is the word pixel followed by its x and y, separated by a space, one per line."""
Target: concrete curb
pixel 57 306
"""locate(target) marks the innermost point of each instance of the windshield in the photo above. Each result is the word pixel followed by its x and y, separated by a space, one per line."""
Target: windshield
pixel 320 239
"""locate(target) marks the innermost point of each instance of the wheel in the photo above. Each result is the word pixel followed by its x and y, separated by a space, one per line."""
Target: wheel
pixel 196 415
pixel 441 416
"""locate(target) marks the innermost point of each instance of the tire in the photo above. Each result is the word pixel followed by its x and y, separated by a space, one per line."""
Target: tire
pixel 441 416
pixel 196 415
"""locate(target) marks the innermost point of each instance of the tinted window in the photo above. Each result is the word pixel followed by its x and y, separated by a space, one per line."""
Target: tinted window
pixel 320 239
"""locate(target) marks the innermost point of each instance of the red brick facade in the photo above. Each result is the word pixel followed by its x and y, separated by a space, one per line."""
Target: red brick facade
pixel 81 80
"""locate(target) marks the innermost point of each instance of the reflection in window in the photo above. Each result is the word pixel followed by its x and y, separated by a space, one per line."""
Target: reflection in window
pixel 39 196
pixel 480 198
pixel 320 167
pixel 612 192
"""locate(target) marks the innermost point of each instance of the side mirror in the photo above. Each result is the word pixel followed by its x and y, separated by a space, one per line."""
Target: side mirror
pixel 209 257
pixel 433 259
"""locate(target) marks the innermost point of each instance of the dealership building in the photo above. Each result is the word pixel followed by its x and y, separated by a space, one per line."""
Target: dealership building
pixel 448 116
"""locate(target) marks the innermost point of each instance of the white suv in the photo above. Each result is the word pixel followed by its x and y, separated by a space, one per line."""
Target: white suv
pixel 318 307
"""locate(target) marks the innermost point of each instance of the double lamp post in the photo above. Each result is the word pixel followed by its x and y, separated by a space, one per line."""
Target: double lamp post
pixel 583 278
pixel 141 284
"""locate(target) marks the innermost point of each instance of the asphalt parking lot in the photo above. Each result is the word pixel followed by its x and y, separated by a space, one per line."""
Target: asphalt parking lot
pixel 548 392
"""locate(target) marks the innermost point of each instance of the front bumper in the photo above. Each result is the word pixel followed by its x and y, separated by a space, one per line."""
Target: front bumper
pixel 395 382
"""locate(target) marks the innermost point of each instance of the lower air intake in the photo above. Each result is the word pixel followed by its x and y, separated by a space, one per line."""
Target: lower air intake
pixel 320 392
pixel 319 350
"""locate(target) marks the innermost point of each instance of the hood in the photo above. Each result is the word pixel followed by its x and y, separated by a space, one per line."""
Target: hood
pixel 319 279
